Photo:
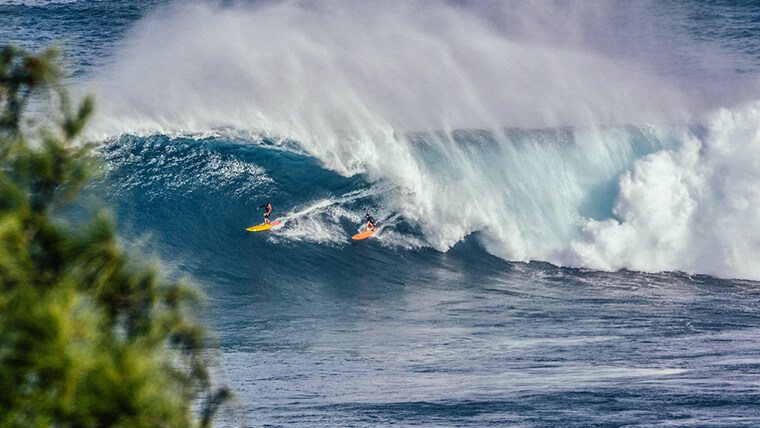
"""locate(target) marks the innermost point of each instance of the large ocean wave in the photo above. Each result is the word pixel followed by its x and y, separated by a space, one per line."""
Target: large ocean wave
pixel 540 148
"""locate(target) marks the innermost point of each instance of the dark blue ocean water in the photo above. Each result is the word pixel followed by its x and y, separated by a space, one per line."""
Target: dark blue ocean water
pixel 404 329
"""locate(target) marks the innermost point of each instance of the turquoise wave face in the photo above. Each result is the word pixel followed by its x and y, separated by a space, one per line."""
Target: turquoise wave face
pixel 158 180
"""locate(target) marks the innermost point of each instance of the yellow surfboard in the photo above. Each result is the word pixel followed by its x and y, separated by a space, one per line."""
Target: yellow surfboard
pixel 261 227
pixel 364 235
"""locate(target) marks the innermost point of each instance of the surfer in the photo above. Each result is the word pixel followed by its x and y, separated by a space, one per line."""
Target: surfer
pixel 371 223
pixel 370 229
pixel 267 210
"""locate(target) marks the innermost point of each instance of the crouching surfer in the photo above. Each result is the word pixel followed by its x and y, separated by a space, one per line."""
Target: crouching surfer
pixel 371 223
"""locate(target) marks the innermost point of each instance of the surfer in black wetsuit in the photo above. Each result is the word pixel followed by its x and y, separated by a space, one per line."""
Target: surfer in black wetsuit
pixel 267 210
pixel 371 223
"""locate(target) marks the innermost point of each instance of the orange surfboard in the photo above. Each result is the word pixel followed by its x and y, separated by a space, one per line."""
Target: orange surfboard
pixel 364 235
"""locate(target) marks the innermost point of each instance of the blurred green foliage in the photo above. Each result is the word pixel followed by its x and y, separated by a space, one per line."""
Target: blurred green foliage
pixel 89 336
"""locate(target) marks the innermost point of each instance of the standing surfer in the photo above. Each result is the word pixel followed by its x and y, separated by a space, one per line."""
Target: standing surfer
pixel 267 210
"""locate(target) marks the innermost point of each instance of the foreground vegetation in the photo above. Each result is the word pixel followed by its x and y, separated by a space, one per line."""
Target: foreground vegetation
pixel 89 336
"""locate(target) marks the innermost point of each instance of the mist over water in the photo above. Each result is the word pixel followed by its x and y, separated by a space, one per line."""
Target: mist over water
pixel 316 67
